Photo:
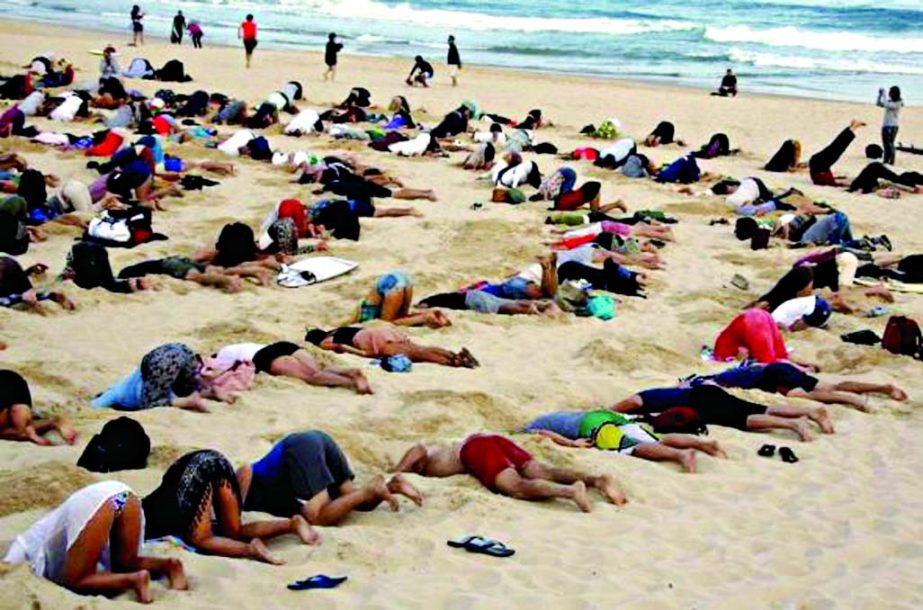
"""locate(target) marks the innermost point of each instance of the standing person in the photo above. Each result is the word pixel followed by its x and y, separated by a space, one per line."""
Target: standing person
pixel 247 32
pixel 179 25
pixel 421 73
pixel 892 103
pixel 195 32
pixel 137 27
pixel 330 56
pixel 454 61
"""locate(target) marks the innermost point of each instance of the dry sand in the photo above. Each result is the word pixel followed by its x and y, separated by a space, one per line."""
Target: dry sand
pixel 840 529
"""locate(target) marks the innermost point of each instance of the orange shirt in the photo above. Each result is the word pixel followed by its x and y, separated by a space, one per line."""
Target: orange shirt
pixel 249 29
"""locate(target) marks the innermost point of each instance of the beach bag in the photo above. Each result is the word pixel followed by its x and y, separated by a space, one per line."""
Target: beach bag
pixel 108 228
pixel 90 264
pixel 572 296
pixel 14 237
pixel 601 306
pixel 122 444
pixel 903 336
pixel 678 420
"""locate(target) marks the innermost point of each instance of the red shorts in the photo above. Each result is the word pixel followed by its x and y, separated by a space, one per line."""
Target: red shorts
pixel 485 456
pixel 823 178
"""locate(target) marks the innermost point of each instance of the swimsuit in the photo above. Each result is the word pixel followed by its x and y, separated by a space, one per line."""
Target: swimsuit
pixel 485 456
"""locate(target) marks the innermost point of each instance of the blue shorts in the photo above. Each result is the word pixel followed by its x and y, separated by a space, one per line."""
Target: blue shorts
pixel 362 207
pixel 570 180
pixel 391 282
pixel 661 399
pixel 514 288
pixel 778 377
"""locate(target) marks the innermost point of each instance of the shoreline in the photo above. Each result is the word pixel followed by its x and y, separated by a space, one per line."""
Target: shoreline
pixel 639 81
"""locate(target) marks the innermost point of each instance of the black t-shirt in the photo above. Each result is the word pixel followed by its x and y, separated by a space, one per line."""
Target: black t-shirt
pixel 13 390
pixel 454 58
pixel 13 280
pixel 330 55
pixel 729 81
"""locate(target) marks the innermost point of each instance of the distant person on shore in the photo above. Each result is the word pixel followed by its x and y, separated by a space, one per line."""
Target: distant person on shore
pixel 247 32
pixel 196 33
pixel 137 27
pixel 892 103
pixel 330 57
pixel 179 26
pixel 454 61
pixel 421 73
pixel 728 86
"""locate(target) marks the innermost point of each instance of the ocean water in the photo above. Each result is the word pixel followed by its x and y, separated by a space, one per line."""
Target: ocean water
pixel 836 49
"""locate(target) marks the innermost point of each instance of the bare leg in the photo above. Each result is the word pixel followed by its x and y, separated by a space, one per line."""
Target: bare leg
pixel 79 572
pixel 124 541
pixel 230 544
pixel 406 193
pixel 859 387
pixel 321 510
pixel 214 279
pixel 291 366
pixel 819 415
pixel 396 304
pixel 422 353
pixel 661 452
pixel 769 422
pixel 397 212
pixel 831 397
pixel 549 275
pixel 512 484
pixel 687 441
pixel 400 485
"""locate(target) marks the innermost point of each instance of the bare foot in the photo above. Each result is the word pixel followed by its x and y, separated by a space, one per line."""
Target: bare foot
pixel 399 485
pixel 61 299
pixel 416 213
pixel 581 498
pixel 176 575
pixel 259 552
pixel 712 448
pixel 264 277
pixel 803 430
pixel 382 491
pixel 303 529
pixel 687 460
pixel 141 583
pixel 431 195
pixel 67 432
pixel 609 488
pixel 2 346
pixel 896 393
pixel 361 383
pixel 821 417
pixel 856 124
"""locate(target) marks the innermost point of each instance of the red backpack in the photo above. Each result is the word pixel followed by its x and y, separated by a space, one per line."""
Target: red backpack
pixel 678 420
pixel 903 336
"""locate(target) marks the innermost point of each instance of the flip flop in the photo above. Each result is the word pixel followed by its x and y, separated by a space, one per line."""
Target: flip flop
pixel 319 581
pixel 482 546
pixel 767 451
pixel 788 456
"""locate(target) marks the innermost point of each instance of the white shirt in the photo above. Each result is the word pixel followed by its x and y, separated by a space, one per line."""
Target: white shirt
pixel 488 136
pixel 67 111
pixel 303 123
pixel 747 192
pixel 30 105
pixel 412 148
pixel 240 352
pixel 513 178
pixel 793 310
pixel 232 145
pixel 619 150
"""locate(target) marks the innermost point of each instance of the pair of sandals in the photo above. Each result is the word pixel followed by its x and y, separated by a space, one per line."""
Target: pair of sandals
pixel 465 359
pixel 788 456
pixel 482 546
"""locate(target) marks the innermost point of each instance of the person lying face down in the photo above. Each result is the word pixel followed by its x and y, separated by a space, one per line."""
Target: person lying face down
pixel 504 467
pixel 715 406
pixel 92 545
pixel 17 420
pixel 307 474
pixel 384 342
pixel 789 380
pixel 605 429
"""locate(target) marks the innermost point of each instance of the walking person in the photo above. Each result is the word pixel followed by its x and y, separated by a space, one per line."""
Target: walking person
pixel 892 103
pixel 179 26
pixel 454 61
pixel 137 27
pixel 247 32
pixel 330 57
pixel 196 33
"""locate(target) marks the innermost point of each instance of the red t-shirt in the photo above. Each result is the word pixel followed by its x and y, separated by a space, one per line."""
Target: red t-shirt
pixel 249 30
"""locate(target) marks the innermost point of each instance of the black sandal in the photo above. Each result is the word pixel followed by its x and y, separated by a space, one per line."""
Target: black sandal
pixel 767 451
pixel 788 456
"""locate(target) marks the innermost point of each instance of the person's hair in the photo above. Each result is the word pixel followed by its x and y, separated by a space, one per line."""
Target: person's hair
pixel 745 228
pixel 496 128
pixel 332 35
pixel 418 58
pixel 590 190
pixel 725 187
pixel 451 38
pixel 729 71
pixel 796 152
pixel 179 12
pixel 895 93
pixel 316 336
pixel 249 17
pixel 873 151
pixel 490 153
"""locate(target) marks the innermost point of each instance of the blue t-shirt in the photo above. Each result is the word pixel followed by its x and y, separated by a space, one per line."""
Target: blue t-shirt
pixel 565 423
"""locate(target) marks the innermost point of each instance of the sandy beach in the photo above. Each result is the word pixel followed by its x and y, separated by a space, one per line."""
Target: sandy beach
pixel 840 529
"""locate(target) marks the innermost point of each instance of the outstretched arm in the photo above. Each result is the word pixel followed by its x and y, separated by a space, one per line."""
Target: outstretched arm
pixel 562 440
pixel 413 461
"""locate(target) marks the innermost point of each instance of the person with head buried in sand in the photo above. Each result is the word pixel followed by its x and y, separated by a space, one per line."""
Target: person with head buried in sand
pixel 504 467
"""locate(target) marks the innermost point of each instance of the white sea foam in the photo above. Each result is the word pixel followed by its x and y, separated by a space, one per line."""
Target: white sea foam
pixel 808 39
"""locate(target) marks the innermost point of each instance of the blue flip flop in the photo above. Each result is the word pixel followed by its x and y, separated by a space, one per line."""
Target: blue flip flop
pixel 317 582
pixel 482 546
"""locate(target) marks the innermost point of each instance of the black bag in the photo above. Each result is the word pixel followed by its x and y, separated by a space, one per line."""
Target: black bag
pixel 14 238
pixel 90 264
pixel 122 444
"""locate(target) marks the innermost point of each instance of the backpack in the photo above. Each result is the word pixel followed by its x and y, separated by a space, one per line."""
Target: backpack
pixel 122 444
pixel 14 237
pixel 90 264
pixel 678 420
pixel 903 336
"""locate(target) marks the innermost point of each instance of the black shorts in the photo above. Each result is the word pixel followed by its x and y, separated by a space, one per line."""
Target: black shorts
pixel 264 358
pixel 14 390
pixel 782 377
pixel 137 27
pixel 249 45
pixel 714 405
